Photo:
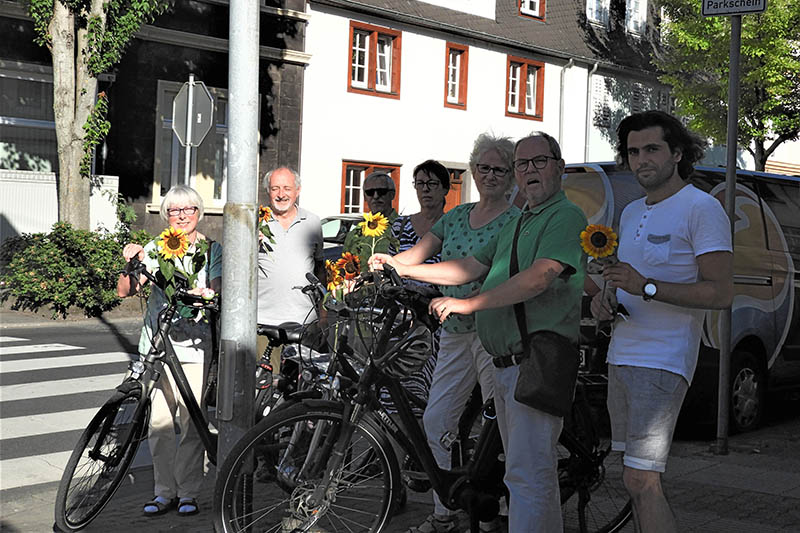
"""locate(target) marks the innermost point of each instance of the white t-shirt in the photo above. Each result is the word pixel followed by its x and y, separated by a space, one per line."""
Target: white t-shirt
pixel 190 337
pixel 662 241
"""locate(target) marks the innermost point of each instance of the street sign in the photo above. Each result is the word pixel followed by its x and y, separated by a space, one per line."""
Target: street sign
pixel 715 8
pixel 193 100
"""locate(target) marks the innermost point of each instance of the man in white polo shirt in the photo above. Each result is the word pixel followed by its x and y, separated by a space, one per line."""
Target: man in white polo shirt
pixel 296 251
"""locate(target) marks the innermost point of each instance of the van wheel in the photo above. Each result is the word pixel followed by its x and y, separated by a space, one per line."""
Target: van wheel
pixel 748 391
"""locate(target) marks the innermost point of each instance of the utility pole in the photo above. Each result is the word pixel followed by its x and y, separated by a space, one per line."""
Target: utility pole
pixel 239 291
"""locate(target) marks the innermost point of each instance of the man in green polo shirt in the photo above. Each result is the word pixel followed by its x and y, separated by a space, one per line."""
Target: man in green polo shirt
pixel 552 267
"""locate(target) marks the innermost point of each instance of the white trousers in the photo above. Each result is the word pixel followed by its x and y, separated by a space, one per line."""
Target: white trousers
pixel 462 362
pixel 529 440
pixel 177 471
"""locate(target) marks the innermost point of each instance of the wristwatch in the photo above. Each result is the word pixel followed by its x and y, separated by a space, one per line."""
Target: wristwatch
pixel 649 289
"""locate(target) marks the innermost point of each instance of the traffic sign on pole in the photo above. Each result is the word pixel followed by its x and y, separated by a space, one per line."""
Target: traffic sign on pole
pixel 195 101
pixel 715 8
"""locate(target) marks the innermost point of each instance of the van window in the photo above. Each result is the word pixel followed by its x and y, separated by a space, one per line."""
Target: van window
pixel 783 198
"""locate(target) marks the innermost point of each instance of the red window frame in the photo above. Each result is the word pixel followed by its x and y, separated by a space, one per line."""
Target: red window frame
pixel 373 33
pixel 368 168
pixel 540 16
pixel 462 75
pixel 525 64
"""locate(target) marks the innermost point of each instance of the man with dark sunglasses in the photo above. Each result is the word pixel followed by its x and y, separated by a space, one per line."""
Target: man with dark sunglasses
pixel 379 192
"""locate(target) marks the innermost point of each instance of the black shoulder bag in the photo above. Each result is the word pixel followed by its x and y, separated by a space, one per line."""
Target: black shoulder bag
pixel 548 368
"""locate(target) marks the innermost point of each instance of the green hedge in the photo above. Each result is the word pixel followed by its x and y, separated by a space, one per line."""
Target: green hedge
pixel 65 268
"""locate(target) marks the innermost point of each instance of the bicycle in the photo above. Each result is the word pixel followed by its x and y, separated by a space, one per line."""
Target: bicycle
pixel 107 447
pixel 333 468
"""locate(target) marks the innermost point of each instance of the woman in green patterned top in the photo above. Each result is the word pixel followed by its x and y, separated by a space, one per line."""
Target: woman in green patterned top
pixel 462 360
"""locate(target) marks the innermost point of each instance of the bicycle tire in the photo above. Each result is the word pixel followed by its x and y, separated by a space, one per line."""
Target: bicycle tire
pixel 607 506
pixel 89 481
pixel 294 443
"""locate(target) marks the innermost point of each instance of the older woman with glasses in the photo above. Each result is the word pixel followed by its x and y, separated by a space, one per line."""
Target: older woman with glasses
pixel 177 471
pixel 462 361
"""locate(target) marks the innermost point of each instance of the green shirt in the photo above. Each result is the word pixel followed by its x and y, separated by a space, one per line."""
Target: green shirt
pixel 460 239
pixel 358 244
pixel 550 230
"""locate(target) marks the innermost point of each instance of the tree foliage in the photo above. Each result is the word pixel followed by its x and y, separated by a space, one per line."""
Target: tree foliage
pixel 85 38
pixel 695 61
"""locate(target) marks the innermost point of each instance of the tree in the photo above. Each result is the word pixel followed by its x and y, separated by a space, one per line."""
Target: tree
pixel 85 39
pixel 695 62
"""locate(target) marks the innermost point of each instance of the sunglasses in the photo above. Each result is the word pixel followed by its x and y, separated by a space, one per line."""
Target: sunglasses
pixel 379 191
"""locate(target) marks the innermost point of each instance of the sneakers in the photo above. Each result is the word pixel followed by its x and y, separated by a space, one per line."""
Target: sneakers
pixel 437 524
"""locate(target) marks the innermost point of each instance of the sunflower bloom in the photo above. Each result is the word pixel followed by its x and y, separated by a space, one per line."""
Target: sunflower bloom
pixel 350 265
pixel 264 214
pixel 172 243
pixel 598 240
pixel 333 278
pixel 373 225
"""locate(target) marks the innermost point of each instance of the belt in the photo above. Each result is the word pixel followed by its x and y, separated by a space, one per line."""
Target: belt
pixel 503 361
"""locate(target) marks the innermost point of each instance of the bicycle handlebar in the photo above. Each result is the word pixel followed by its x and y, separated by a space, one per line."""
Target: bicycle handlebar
pixel 134 267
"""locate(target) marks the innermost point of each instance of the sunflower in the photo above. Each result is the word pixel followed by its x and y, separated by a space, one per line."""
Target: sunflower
pixel 374 225
pixel 264 214
pixel 333 278
pixel 173 243
pixel 350 265
pixel 598 240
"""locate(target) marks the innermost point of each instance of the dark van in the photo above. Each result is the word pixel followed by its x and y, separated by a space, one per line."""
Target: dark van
pixel 766 310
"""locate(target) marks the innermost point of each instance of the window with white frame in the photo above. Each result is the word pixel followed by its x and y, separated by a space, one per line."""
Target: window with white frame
pixel 597 11
pixel 207 167
pixel 532 8
pixel 353 175
pixel 636 15
pixel 601 101
pixel 374 60
pixel 28 140
pixel 524 88
pixel 455 91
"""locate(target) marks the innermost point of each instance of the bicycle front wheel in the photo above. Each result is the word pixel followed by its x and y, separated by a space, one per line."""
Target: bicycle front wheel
pixel 271 480
pixel 100 460
pixel 593 496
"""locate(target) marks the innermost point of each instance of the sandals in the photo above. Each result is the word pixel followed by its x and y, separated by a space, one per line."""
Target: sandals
pixel 437 524
pixel 188 507
pixel 159 505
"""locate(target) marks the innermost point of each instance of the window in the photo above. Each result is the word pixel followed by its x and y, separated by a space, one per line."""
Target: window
pixel 353 175
pixel 455 82
pixel 601 100
pixel 532 8
pixel 597 11
pixel 374 60
pixel 28 141
pixel 207 171
pixel 525 88
pixel 636 15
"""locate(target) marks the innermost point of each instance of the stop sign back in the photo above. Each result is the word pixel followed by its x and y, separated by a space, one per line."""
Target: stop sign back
pixel 201 113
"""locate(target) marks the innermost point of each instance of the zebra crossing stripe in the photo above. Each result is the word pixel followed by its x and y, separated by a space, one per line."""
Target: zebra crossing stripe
pixel 66 361
pixel 44 423
pixel 37 348
pixel 11 339
pixel 61 387
pixel 33 469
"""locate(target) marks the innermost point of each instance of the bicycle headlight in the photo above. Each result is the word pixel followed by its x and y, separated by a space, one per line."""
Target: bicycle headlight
pixel 137 367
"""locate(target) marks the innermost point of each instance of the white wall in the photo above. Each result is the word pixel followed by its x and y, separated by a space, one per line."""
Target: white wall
pixel 338 125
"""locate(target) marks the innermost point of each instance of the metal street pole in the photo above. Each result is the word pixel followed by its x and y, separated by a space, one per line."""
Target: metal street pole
pixel 189 122
pixel 239 291
pixel 723 404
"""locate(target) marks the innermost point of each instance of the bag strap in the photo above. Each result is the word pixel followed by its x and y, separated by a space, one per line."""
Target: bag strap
pixel 519 307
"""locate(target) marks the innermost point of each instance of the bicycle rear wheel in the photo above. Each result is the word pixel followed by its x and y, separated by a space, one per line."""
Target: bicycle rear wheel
pixel 100 460
pixel 593 497
pixel 269 479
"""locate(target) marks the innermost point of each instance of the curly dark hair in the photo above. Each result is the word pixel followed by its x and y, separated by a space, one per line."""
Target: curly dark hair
pixel 691 145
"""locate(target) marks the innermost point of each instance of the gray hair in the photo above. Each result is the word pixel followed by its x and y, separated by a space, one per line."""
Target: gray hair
pixel 554 147
pixel 487 142
pixel 381 174
pixel 181 194
pixel 268 175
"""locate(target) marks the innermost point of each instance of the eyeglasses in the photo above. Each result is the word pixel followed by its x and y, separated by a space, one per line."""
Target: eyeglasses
pixel 430 185
pixel 539 162
pixel 499 172
pixel 379 191
pixel 188 211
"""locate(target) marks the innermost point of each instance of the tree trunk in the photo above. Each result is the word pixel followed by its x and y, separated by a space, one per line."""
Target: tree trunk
pixel 69 101
pixel 759 155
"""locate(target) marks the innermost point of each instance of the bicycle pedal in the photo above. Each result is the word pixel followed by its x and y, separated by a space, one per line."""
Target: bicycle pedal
pixel 416 481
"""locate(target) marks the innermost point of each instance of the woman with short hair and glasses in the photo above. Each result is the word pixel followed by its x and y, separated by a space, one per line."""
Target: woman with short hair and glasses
pixel 177 470
pixel 462 362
